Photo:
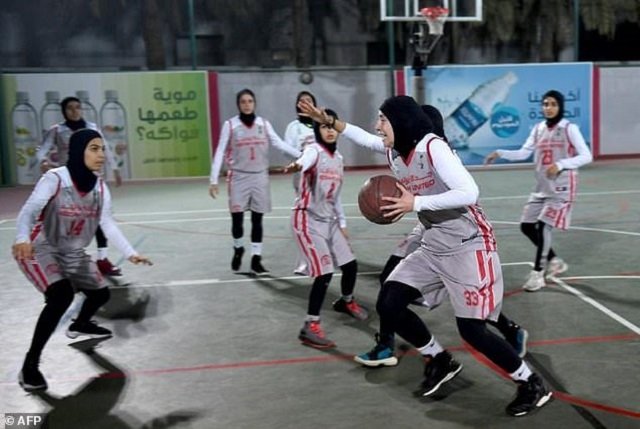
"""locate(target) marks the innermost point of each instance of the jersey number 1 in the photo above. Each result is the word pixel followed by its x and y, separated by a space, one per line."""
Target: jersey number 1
pixel 76 227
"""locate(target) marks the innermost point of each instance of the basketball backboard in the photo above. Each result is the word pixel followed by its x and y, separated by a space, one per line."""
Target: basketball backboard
pixel 409 10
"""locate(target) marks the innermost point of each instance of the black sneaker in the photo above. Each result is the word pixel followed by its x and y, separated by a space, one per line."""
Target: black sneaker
pixel 256 266
pixel 30 377
pixel 87 329
pixel 437 371
pixel 237 258
pixel 531 394
pixel 352 308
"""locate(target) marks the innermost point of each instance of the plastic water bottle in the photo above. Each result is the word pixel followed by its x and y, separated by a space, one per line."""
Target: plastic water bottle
pixel 51 112
pixel 24 119
pixel 113 118
pixel 475 110
pixel 89 112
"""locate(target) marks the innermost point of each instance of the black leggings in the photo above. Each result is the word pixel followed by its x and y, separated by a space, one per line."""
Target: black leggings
pixel 237 228
pixel 58 298
pixel 497 350
pixel 535 233
pixel 101 239
pixel 396 317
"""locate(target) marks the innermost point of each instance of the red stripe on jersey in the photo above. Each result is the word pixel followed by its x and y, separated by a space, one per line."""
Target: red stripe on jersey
pixel 429 150
pixel 306 244
pixel 486 230
pixel 35 273
pixel 38 227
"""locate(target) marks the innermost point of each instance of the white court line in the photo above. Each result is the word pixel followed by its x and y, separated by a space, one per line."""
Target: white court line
pixel 615 316
pixel 600 277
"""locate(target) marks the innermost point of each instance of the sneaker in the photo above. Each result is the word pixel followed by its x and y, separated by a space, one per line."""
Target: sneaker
pixel 352 308
pixel 256 266
pixel 107 268
pixel 535 281
pixel 87 329
pixel 237 258
pixel 531 394
pixel 554 267
pixel 313 335
pixel 518 338
pixel 30 377
pixel 437 371
pixel 380 355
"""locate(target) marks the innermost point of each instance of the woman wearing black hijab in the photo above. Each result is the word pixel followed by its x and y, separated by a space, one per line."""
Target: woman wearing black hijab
pixel 558 150
pixel 55 225
pixel 457 254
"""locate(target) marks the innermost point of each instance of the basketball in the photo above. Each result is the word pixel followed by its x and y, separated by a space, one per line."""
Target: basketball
pixel 370 197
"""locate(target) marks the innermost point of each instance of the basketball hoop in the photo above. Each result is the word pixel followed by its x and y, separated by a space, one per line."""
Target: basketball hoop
pixel 435 17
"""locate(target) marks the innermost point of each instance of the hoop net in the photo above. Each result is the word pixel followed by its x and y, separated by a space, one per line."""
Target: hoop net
pixel 435 17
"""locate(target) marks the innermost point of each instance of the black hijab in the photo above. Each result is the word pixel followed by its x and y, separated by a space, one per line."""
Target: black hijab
pixel 331 147
pixel 410 124
pixel 557 95
pixel 73 125
pixel 246 119
pixel 82 177
pixel 436 119
pixel 305 119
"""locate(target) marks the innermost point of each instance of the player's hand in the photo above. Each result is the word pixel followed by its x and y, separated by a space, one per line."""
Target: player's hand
pixel 213 191
pixel 22 251
pixel 400 206
pixel 553 171
pixel 313 112
pixel 291 168
pixel 117 177
pixel 45 166
pixel 491 157
pixel 140 259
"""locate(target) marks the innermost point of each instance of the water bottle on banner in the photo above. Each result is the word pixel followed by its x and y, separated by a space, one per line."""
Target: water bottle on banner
pixel 89 112
pixel 51 112
pixel 113 120
pixel 24 119
pixel 476 110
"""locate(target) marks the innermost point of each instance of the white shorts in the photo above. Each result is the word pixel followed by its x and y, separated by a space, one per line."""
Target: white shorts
pixel 472 280
pixel 249 191
pixel 322 244
pixel 49 266
pixel 555 212
pixel 410 243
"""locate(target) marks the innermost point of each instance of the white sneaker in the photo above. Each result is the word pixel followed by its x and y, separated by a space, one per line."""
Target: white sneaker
pixel 535 281
pixel 554 267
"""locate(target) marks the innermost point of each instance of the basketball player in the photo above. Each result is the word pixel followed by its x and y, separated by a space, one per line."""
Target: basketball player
pixel 457 254
pixel 54 226
pixel 319 227
pixel 558 150
pixel 53 153
pixel 244 145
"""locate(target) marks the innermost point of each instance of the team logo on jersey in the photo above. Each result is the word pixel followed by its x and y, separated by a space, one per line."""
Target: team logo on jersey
pixel 52 269
pixel 325 260
pixel 561 188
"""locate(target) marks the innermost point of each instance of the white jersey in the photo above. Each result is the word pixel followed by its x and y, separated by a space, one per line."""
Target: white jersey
pixel 321 183
pixel 55 146
pixel 298 135
pixel 562 145
pixel 246 149
pixel 445 193
pixel 58 215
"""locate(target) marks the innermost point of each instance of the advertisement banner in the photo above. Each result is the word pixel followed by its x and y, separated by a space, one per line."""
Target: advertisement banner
pixel 495 107
pixel 156 123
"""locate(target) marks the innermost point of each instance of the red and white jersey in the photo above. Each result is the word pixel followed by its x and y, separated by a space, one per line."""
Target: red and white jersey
pixel 58 215
pixel 321 183
pixel 246 149
pixel 445 193
pixel 562 145
pixel 298 135
pixel 55 146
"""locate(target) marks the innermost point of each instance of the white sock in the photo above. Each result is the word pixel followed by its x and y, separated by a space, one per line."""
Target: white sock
pixel 237 242
pixel 431 349
pixel 347 298
pixel 103 252
pixel 311 318
pixel 522 373
pixel 256 248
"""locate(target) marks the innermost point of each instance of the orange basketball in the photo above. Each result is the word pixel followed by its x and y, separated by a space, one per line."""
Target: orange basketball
pixel 370 197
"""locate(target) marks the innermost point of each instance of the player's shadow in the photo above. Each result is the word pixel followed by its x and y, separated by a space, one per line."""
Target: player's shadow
pixel 129 308
pixel 94 405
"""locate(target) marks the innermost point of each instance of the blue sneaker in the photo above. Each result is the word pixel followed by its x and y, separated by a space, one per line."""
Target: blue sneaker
pixel 379 355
